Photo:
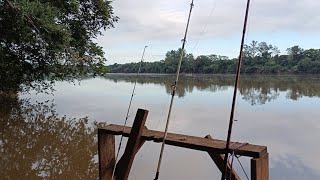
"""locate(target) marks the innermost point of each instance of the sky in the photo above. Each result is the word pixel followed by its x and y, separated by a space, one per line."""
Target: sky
pixel 215 27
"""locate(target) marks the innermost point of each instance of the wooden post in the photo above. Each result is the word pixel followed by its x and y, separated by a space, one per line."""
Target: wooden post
pixel 260 168
pixel 133 145
pixel 138 134
pixel 106 151
pixel 218 160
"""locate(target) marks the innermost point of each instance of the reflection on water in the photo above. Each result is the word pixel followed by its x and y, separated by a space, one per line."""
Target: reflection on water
pixel 38 143
pixel 255 89
pixel 291 167
pixel 56 139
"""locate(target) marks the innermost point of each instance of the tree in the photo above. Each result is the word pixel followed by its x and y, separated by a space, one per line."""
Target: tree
pixel 264 50
pixel 172 59
pixel 51 40
pixel 201 63
pixel 251 50
pixel 295 54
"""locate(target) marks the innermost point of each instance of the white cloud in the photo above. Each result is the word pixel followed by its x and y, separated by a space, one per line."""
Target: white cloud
pixel 163 22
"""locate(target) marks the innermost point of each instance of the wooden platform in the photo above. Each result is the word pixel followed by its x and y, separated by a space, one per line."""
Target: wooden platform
pixel 191 142
pixel 138 134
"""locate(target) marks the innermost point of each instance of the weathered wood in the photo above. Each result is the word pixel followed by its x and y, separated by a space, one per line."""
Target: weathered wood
pixel 122 160
pixel 191 142
pixel 133 145
pixel 106 151
pixel 260 168
pixel 218 160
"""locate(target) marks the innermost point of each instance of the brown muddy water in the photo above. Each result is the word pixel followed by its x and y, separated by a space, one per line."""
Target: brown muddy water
pixel 53 136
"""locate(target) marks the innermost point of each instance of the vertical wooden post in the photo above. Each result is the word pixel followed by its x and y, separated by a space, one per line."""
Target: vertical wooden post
pixel 133 145
pixel 218 160
pixel 260 168
pixel 106 151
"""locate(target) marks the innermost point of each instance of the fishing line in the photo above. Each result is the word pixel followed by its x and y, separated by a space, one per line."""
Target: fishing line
pixel 246 42
pixel 227 149
pixel 205 26
pixel 150 47
pixel 163 109
pixel 237 110
pixel 237 116
pixel 174 87
pixel 244 171
pixel 147 145
pixel 128 111
pixel 156 124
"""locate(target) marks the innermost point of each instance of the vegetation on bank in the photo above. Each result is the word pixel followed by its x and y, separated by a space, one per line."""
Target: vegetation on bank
pixel 49 40
pixel 258 57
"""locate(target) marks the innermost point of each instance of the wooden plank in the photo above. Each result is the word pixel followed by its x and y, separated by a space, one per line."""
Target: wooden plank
pixel 218 160
pixel 106 151
pixel 260 168
pixel 133 145
pixel 191 142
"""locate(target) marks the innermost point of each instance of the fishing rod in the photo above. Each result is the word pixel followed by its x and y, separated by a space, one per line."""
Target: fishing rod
pixel 227 149
pixel 128 111
pixel 174 87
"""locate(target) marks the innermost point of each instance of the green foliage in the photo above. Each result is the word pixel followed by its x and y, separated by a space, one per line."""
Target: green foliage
pixel 259 57
pixel 46 40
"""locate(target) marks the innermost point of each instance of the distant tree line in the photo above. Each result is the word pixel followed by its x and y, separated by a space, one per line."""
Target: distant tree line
pixel 258 57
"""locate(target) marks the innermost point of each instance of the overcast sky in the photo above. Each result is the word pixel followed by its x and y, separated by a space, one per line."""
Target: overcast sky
pixel 215 27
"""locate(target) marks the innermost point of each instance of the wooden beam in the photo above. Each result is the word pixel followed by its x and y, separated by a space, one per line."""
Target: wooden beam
pixel 218 160
pixel 191 142
pixel 133 145
pixel 122 160
pixel 106 151
pixel 260 168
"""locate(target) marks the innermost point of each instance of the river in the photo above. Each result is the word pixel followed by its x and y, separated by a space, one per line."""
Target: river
pixel 53 136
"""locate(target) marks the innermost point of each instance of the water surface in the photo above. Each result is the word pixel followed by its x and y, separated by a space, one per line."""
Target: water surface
pixel 53 136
